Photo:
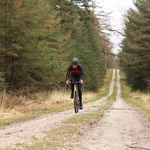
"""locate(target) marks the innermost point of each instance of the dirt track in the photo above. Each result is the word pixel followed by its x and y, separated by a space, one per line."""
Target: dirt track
pixel 122 128
pixel 21 132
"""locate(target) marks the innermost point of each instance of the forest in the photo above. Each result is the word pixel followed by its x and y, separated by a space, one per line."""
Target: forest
pixel 38 39
pixel 135 54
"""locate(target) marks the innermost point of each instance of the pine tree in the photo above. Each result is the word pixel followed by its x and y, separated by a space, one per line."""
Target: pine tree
pixel 136 52
pixel 8 43
pixel 39 60
pixel 39 38
pixel 27 42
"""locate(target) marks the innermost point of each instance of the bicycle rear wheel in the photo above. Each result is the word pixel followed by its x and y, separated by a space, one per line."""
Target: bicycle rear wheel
pixel 76 106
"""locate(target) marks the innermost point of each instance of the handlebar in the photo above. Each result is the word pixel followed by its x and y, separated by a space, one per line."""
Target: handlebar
pixel 74 82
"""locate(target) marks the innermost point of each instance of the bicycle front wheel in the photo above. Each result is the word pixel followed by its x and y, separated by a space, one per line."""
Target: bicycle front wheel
pixel 76 108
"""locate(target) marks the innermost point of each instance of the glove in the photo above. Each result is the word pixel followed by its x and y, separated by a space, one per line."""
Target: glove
pixel 67 82
pixel 81 81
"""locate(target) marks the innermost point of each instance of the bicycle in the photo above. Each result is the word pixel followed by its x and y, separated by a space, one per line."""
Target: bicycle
pixel 76 97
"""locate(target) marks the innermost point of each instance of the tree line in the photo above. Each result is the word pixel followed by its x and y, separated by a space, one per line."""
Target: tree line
pixel 39 38
pixel 135 55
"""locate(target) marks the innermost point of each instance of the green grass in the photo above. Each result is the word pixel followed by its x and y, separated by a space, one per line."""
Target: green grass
pixel 113 96
pixel 83 118
pixel 127 95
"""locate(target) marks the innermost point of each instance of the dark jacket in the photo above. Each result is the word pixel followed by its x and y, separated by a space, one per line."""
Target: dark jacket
pixel 75 74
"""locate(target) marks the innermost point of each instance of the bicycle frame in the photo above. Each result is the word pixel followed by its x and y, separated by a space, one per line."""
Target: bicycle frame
pixel 76 87
pixel 76 97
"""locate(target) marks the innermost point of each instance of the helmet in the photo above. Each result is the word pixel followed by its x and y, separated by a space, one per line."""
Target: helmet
pixel 75 61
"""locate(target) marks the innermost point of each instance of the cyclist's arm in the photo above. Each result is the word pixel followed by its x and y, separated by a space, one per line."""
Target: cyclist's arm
pixel 82 73
pixel 68 74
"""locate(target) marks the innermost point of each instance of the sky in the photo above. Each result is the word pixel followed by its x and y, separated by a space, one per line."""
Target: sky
pixel 118 9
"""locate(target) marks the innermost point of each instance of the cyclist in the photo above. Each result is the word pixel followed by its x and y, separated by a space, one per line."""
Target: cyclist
pixel 75 74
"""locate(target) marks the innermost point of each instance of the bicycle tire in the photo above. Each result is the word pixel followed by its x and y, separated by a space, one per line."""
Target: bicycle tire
pixel 76 108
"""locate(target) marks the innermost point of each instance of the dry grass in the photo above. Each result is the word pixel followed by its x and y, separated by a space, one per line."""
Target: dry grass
pixel 16 106
pixel 90 96
pixel 19 108
pixel 142 100
pixel 38 101
pixel 143 96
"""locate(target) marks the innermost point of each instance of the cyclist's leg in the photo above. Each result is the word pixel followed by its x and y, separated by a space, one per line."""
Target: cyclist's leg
pixel 72 89
pixel 80 95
